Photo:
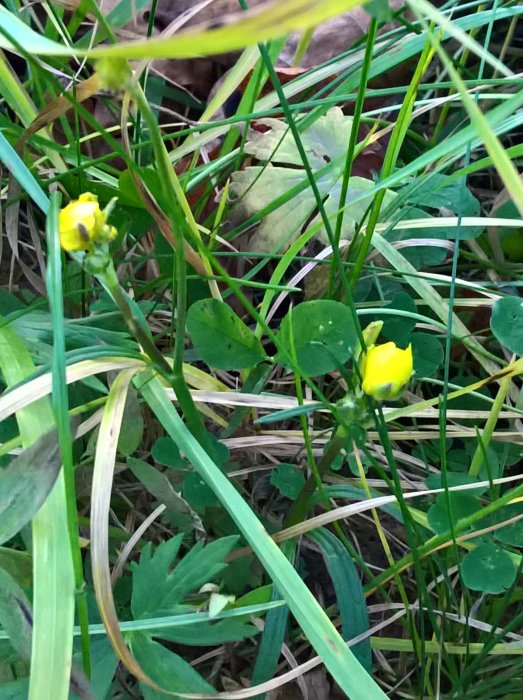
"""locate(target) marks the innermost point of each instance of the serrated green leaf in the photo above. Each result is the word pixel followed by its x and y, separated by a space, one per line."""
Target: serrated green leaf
pixel 321 333
pixel 149 576
pixel 221 338
pixel 157 589
pixel 316 625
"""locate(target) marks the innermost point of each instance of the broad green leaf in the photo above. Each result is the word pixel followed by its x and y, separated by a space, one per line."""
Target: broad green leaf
pixel 349 592
pixel 510 534
pixel 165 667
pixel 427 352
pixel 288 479
pixel 488 569
pixel 103 666
pixel 257 187
pixel 321 333
pixel 15 615
pixel 166 452
pixel 379 9
pixel 420 255
pixel 435 481
pixel 197 493
pixel 438 192
pixel 399 328
pixel 221 338
pixel 178 511
pixel 507 323
pixel 157 589
pixel 26 483
pixel 511 239
pixel 131 432
pixel 17 564
pixel 208 634
pixel 461 506
pixel 14 690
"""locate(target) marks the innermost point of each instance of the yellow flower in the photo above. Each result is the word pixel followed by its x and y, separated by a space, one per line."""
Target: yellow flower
pixel 386 370
pixel 81 223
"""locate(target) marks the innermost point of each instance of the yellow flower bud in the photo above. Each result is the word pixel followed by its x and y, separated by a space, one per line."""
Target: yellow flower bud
pixel 386 370
pixel 113 73
pixel 81 223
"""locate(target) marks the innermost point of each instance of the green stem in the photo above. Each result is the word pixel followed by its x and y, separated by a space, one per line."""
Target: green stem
pixel 300 506
pixel 358 110
pixel 490 425
pixel 391 156
pixel 182 220
pixel 173 376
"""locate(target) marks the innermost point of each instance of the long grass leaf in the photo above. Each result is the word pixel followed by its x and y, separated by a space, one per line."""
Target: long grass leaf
pixel 100 504
pixel 60 403
pixel 17 167
pixel 53 579
pixel 273 20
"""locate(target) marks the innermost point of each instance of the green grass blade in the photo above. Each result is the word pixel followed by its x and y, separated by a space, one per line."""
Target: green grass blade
pixel 120 15
pixel 349 591
pixel 480 123
pixel 273 21
pixel 60 402
pixel 17 167
pixel 273 635
pixel 466 40
pixel 14 94
pixel 339 660
pixel 53 579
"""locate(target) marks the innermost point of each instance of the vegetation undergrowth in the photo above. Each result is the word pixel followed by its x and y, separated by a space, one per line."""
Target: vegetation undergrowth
pixel 261 340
